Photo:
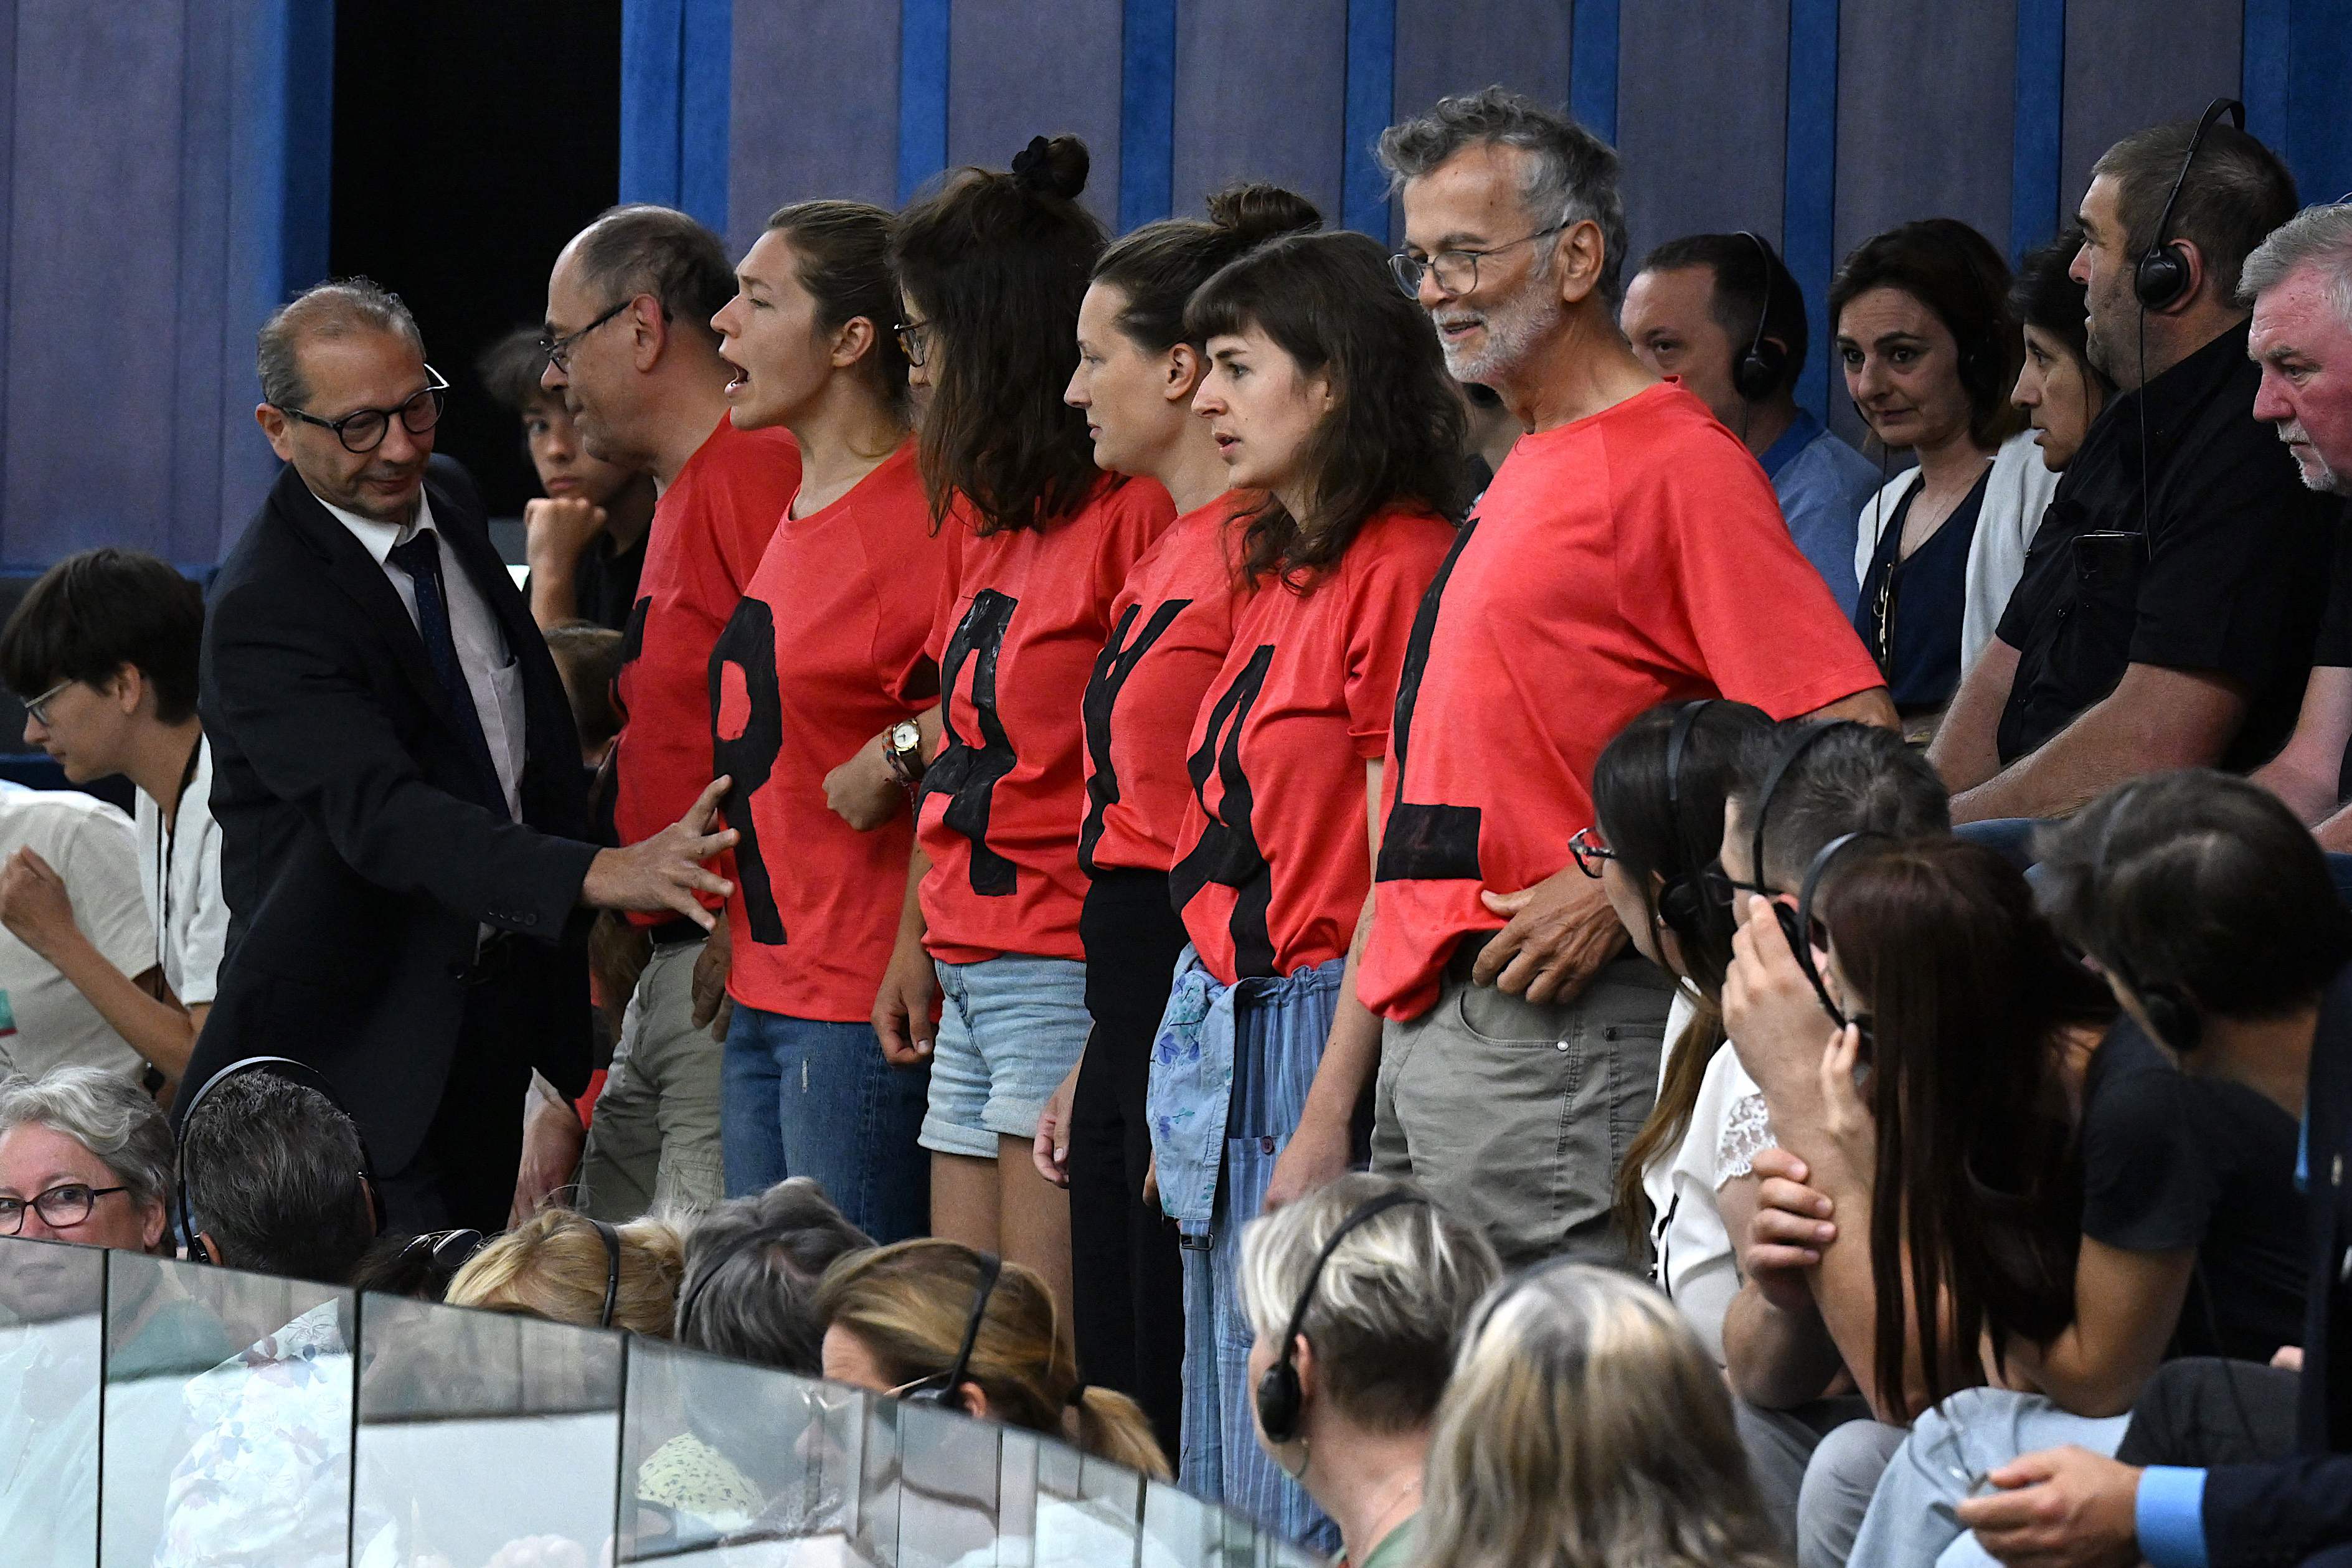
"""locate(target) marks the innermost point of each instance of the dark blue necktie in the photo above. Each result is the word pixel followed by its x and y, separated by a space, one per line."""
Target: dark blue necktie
pixel 421 559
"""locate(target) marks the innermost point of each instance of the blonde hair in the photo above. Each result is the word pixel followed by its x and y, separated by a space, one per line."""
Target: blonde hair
pixel 555 1266
pixel 1386 1309
pixel 908 1305
pixel 1586 1427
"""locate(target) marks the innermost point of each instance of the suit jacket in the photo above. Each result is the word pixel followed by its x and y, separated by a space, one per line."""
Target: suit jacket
pixel 361 849
pixel 2283 1513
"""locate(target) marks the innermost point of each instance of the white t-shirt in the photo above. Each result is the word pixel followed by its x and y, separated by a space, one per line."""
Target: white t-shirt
pixel 95 849
pixel 1695 1257
pixel 190 917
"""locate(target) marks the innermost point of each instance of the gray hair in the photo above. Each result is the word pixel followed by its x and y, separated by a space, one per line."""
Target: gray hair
pixel 1388 1305
pixel 343 308
pixel 2318 236
pixel 752 1270
pixel 104 1112
pixel 1570 174
pixel 646 249
pixel 274 1177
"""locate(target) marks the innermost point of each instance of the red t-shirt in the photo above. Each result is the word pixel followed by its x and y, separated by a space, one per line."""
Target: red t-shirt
pixel 708 531
pixel 824 652
pixel 1628 559
pixel 1023 616
pixel 1171 626
pixel 1274 860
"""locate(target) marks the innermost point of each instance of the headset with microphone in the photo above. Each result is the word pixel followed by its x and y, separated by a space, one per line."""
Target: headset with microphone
pixel 292 1071
pixel 942 1388
pixel 1281 1400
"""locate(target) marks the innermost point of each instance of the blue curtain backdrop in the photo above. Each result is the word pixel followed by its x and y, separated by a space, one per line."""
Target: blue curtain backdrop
pixel 162 162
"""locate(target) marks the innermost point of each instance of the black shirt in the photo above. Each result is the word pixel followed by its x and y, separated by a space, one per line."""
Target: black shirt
pixel 2171 1162
pixel 2333 647
pixel 1910 611
pixel 2229 578
pixel 605 582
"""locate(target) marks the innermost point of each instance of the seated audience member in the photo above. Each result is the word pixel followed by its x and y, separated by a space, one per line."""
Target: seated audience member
pixel 2166 615
pixel 85 1157
pixel 1658 801
pixel 1586 1426
pixel 588 658
pixel 566 1267
pixel 108 639
pixel 750 1274
pixel 1808 785
pixel 584 541
pixel 2059 389
pixel 1722 313
pixel 897 1320
pixel 276 1182
pixel 2170 884
pixel 1930 353
pixel 1357 1295
pixel 2301 336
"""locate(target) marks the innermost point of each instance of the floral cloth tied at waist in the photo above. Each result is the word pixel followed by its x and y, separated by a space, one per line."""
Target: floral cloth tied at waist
pixel 1189 1100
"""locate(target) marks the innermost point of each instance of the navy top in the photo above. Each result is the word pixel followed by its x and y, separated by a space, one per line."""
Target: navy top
pixel 1910 611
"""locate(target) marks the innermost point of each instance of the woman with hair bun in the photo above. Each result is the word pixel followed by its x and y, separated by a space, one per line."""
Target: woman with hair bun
pixel 991 273
pixel 1329 398
pixel 838 614
pixel 1170 627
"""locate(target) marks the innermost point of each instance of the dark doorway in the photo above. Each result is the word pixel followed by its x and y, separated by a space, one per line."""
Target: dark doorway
pixel 471 141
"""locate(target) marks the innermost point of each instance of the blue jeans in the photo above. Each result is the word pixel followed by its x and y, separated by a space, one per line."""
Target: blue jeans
pixel 808 1097
pixel 1970 1433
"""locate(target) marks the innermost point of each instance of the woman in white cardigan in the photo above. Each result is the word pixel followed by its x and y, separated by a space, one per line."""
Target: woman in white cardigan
pixel 1930 351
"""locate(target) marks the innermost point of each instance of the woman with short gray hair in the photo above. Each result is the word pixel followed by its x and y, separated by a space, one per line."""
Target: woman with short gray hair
pixel 1358 1293
pixel 85 1157
pixel 751 1270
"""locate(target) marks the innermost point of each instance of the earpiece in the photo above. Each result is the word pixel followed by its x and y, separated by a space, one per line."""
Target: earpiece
pixel 2161 279
pixel 946 1394
pixel 1755 373
pixel 1798 923
pixel 1280 1399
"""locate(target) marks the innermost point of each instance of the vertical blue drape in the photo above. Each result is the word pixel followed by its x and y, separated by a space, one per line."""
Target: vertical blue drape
pixel 1809 192
pixel 922 92
pixel 677 77
pixel 2035 154
pixel 1371 100
pixel 1147 111
pixel 1592 66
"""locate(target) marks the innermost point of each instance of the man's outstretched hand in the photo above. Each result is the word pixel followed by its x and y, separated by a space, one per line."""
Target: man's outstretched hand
pixel 666 871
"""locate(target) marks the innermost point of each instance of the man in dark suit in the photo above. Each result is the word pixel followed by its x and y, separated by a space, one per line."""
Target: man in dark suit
pixel 398 784
pixel 2196 891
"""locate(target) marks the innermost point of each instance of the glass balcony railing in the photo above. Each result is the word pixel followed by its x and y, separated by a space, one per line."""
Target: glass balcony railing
pixel 157 1414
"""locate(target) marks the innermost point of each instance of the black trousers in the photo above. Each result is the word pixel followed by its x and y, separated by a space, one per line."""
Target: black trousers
pixel 464 1174
pixel 2201 1411
pixel 1128 1281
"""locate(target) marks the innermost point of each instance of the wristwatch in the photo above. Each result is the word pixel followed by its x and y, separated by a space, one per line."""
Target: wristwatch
pixel 902 751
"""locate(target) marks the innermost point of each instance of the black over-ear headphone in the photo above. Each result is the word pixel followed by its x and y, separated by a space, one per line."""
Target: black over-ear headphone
pixel 1680 903
pixel 1756 374
pixel 294 1072
pixel 2177 1021
pixel 1803 916
pixel 2162 277
pixel 1797 743
pixel 1280 1400
pixel 991 1268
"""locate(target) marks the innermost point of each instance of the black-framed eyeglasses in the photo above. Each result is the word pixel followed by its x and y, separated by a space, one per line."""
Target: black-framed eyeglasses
pixel 1457 270
pixel 62 1208
pixel 1722 887
pixel 39 707
pixel 363 429
pixel 914 342
pixel 1589 852
pixel 559 350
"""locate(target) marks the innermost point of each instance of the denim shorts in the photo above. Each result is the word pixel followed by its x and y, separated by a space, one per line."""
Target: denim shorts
pixel 1011 1028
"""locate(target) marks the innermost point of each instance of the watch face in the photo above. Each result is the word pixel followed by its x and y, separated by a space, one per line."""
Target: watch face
pixel 905 737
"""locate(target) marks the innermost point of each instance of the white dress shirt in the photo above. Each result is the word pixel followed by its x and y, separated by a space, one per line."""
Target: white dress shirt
pixel 492 674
